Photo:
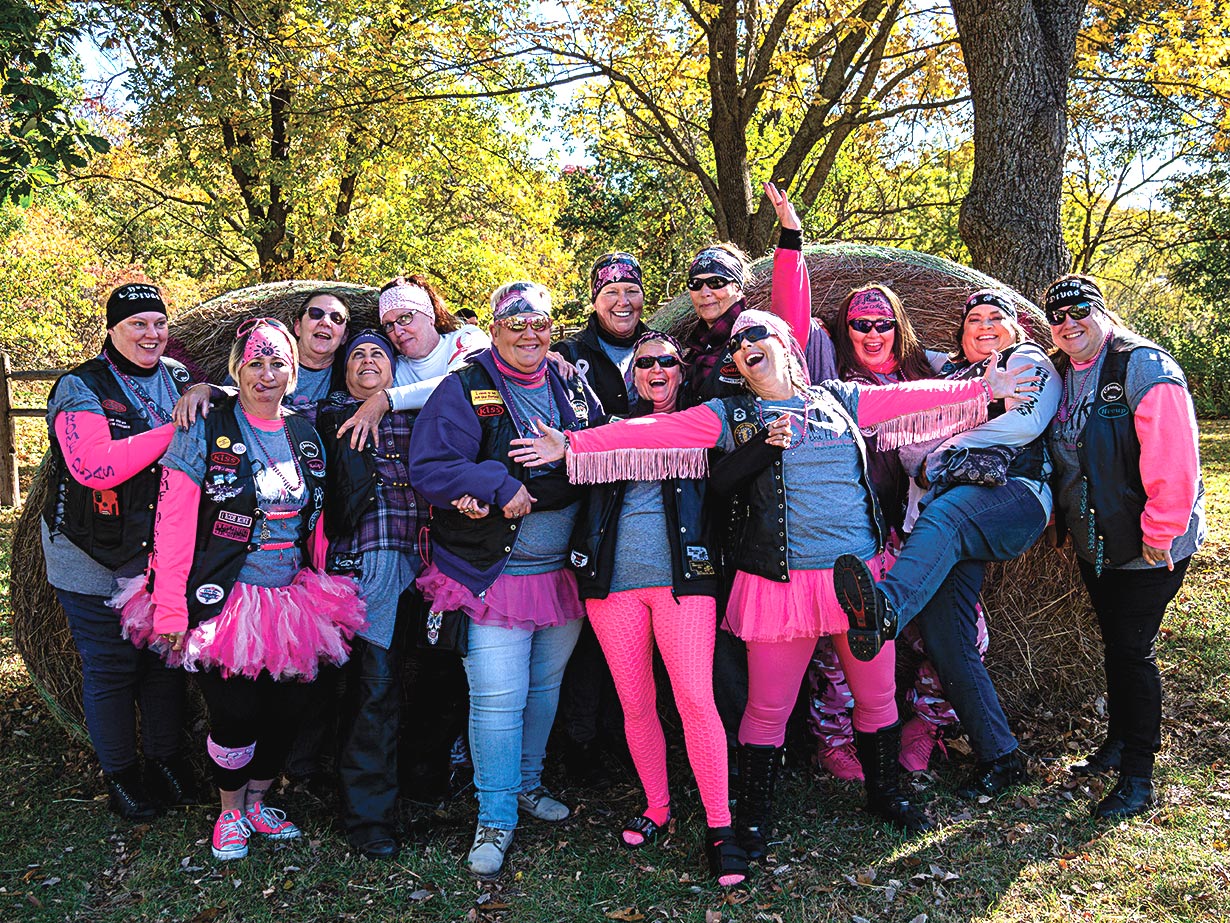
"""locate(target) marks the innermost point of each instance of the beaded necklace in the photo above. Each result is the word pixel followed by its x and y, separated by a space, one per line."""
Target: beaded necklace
pixel 291 487
pixel 151 406
pixel 553 417
pixel 1074 395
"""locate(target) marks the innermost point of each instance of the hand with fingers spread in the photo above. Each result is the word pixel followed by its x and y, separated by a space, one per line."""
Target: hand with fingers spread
pixel 548 447
pixel 787 217
pixel 520 505
pixel 1006 383
pixel 366 421
pixel 471 507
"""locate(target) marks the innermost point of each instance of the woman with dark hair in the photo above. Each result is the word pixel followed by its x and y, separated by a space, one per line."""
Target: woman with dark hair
pixel 876 345
pixel 986 498
pixel 790 433
pixel 499 543
pixel 1128 487
pixel 230 594
pixel 109 422
pixel 647 575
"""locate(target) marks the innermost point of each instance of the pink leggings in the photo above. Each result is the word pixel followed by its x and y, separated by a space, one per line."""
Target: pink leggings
pixel 627 625
pixel 775 671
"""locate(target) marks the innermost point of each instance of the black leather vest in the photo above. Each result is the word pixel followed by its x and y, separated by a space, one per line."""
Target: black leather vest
pixel 229 518
pixel 350 477
pixel 756 541
pixel 115 525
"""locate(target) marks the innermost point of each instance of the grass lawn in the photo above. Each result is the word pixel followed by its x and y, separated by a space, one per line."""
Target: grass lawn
pixel 1036 855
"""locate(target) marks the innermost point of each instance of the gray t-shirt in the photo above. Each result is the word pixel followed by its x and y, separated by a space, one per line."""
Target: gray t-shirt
pixel 642 555
pixel 68 567
pixel 1146 368
pixel 279 489
pixel 826 504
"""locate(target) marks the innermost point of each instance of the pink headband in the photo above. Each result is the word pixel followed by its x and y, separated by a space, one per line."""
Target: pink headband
pixel 869 303
pixel 268 340
pixel 403 298
pixel 778 327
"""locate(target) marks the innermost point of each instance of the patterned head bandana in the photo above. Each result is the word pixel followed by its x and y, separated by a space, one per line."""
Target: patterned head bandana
pixel 611 268
pixel 133 298
pixel 989 296
pixel 718 262
pixel 1073 291
pixel 869 303
pixel 268 337
pixel 405 297
pixel 523 298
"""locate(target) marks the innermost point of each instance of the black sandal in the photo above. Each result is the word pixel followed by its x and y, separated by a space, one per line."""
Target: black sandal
pixel 727 860
pixel 644 827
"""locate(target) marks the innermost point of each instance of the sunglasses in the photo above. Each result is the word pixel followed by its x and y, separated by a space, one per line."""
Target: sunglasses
pixel 648 362
pixel 402 320
pixel 713 282
pixel 336 317
pixel 750 335
pixel 253 322
pixel 866 324
pixel 517 324
pixel 1055 316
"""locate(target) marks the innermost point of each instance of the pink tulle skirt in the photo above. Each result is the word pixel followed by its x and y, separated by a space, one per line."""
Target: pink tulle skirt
pixel 804 607
pixel 525 601
pixel 286 630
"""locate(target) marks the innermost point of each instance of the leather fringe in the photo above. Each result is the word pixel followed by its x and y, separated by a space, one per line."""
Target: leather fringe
pixel 637 465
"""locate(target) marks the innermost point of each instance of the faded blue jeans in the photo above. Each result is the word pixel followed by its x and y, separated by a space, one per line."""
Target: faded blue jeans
pixel 937 579
pixel 514 679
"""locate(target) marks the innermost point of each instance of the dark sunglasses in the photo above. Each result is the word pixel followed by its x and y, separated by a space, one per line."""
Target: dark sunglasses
pixel 713 282
pixel 336 317
pixel 750 335
pixel 866 324
pixel 1055 316
pixel 648 362
pixel 517 324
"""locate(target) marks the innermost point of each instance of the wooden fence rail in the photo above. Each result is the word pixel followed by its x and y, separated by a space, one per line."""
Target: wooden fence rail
pixel 10 487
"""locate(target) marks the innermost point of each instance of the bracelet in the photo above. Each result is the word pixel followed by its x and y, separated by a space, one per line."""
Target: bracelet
pixel 388 397
pixel 987 388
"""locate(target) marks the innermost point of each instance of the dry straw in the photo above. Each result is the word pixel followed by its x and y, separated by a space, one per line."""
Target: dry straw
pixel 1044 651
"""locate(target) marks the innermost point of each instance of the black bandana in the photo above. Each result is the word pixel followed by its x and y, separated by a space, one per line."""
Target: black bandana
pixel 133 298
pixel 992 297
pixel 1068 292
pixel 718 262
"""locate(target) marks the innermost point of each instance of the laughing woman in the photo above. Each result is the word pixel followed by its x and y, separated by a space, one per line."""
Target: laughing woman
pixel 782 599
pixel 1128 487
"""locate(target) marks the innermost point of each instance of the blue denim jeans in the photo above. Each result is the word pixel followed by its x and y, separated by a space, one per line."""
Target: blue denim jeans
pixel 964 523
pixel 949 628
pixel 115 675
pixel 514 679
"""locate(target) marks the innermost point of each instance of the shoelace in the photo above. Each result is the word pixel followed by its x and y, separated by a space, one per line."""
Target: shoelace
pixel 488 836
pixel 271 817
pixel 234 831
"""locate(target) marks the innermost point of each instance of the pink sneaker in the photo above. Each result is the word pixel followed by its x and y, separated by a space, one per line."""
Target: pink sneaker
pixel 270 823
pixel 841 762
pixel 918 739
pixel 231 832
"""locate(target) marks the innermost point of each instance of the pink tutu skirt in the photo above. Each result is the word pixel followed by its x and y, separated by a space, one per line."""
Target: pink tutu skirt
pixel 525 601
pixel 286 630
pixel 804 607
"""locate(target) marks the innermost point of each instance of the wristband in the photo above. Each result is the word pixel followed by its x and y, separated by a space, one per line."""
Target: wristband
pixel 388 397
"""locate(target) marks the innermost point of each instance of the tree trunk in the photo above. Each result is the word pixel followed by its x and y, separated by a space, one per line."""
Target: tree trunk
pixel 1018 55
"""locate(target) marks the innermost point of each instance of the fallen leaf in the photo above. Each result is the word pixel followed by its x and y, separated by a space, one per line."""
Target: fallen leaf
pixel 422 894
pixel 713 916
pixel 627 914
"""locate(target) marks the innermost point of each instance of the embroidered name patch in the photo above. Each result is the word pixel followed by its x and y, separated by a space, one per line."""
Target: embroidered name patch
pixel 1113 391
pixel 233 527
pixel 114 406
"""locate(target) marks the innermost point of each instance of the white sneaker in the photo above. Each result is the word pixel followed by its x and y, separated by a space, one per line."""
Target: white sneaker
pixel 538 803
pixel 486 857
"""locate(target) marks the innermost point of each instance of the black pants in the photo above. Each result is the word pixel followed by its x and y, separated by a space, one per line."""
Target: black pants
pixel 1130 605
pixel 589 709
pixel 244 711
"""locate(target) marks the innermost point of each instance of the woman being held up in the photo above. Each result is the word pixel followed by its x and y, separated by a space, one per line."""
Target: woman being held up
pixel 231 595
pixel 646 573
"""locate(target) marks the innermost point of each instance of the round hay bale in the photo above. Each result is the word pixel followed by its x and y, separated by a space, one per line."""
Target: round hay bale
pixel 1045 646
pixel 201 337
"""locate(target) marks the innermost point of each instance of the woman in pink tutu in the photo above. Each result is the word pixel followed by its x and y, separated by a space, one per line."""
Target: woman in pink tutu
pixel 234 599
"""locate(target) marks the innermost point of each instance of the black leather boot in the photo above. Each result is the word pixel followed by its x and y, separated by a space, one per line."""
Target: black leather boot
pixel 999 775
pixel 1103 759
pixel 758 767
pixel 878 752
pixel 128 796
pixel 172 782
pixel 1132 795
pixel 368 766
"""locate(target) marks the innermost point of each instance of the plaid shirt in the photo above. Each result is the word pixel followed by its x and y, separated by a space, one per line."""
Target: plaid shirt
pixel 393 523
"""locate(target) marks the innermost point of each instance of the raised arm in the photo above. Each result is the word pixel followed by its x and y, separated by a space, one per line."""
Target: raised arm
pixel 790 296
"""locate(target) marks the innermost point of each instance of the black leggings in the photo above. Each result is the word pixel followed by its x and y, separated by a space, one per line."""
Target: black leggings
pixel 1130 605
pixel 244 711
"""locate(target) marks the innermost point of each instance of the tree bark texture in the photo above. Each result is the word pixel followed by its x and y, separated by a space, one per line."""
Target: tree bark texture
pixel 1018 54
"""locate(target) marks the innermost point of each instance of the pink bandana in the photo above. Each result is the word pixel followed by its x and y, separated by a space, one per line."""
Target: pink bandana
pixel 778 327
pixel 869 303
pixel 268 340
pixel 403 298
